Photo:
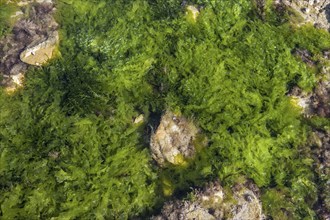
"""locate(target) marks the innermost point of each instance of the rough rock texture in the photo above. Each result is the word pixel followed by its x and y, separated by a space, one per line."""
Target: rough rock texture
pixel 40 52
pixel 32 40
pixel 172 141
pixel 182 210
pixel 316 12
pixel 214 203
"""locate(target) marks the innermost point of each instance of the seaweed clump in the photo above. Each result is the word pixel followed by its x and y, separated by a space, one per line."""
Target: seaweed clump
pixel 69 148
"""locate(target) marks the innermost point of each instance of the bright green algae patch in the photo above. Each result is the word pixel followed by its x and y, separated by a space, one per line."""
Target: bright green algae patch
pixel 69 149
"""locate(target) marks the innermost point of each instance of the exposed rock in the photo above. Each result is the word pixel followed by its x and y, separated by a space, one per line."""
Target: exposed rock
pixel 172 141
pixel 316 103
pixel 139 119
pixel 242 202
pixel 54 155
pixel 316 12
pixel 183 210
pixel 34 33
pixel 248 205
pixel 302 100
pixel 16 81
pixel 41 52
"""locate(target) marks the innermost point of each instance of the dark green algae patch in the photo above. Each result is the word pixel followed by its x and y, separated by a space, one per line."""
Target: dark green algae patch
pixel 69 149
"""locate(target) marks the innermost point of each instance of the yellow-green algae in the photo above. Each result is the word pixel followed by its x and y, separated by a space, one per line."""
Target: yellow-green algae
pixel 229 71
pixel 6 20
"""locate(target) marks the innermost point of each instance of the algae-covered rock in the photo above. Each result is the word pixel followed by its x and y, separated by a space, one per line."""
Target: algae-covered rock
pixel 320 145
pixel 173 140
pixel 213 202
pixel 192 13
pixel 182 210
pixel 316 102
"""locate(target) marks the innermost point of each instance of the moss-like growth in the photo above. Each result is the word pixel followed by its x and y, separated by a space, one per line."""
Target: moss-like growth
pixel 229 71
pixel 6 22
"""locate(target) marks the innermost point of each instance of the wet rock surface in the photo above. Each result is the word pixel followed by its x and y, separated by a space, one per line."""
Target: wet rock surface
pixel 172 142
pixel 32 41
pixel 213 202
pixel 316 12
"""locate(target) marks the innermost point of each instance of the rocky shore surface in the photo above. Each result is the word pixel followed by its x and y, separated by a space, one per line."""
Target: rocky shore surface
pixel 315 12
pixel 213 202
pixel 317 102
pixel 172 139
pixel 32 41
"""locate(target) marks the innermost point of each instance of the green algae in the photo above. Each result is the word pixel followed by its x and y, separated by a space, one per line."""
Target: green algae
pixel 6 22
pixel 229 71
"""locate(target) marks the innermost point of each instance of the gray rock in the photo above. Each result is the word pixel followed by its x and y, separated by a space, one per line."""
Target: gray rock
pixel 172 141
pixel 182 210
pixel 213 203
pixel 18 68
pixel 314 12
